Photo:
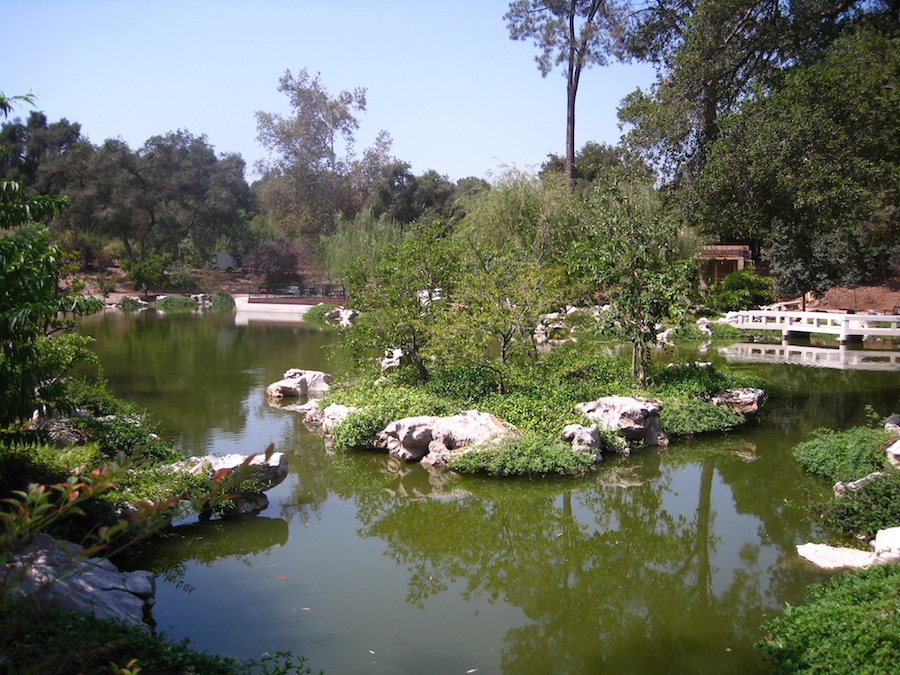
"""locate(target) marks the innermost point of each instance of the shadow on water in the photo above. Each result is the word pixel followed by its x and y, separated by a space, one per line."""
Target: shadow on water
pixel 658 562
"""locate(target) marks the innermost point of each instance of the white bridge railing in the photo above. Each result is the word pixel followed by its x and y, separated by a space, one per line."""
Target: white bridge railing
pixel 841 358
pixel 846 327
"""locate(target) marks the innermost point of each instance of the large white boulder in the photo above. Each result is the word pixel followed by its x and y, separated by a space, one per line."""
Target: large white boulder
pixel 634 418
pixel 885 549
pixel 299 382
pixel 266 472
pixel 55 572
pixel 434 441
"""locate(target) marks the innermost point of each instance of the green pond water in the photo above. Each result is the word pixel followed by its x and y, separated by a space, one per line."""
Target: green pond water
pixel 662 562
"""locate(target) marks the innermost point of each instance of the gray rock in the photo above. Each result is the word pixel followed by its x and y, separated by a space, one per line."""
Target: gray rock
pixel 892 425
pixel 892 453
pixel 746 401
pixel 584 439
pixel 328 417
pixel 54 572
pixel 266 472
pixel 434 441
pixel 635 419
pixel 299 382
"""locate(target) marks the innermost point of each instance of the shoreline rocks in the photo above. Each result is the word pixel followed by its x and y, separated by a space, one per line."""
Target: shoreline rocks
pixel 885 549
pixel 299 382
pixel 55 572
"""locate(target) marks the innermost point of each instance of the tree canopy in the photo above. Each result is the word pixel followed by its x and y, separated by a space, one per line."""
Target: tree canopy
pixel 571 33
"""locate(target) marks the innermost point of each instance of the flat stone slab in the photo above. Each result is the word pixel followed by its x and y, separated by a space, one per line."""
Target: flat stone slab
pixel 55 572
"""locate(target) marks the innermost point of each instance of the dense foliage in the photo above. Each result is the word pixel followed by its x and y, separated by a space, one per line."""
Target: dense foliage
pixel 842 455
pixel 743 289
pixel 850 625
pixel 68 642
pixel 874 505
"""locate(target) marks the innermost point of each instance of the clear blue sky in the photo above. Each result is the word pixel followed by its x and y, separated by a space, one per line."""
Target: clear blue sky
pixel 442 77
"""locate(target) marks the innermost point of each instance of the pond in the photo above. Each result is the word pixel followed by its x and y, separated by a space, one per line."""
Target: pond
pixel 659 562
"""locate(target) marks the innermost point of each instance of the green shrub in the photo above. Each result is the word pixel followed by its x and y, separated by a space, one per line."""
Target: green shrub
pixel 744 289
pixel 221 302
pixel 724 331
pixel 842 455
pixel 526 455
pixel 317 315
pixel 149 272
pixel 873 506
pixel 176 303
pixel 129 305
pixel 684 380
pixel 851 625
pixel 685 417
pixel 687 332
pixel 69 642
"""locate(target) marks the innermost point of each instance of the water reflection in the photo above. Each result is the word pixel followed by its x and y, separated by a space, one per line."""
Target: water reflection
pixel 843 357
pixel 659 562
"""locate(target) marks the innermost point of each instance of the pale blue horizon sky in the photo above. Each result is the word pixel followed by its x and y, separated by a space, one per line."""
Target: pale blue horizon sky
pixel 442 78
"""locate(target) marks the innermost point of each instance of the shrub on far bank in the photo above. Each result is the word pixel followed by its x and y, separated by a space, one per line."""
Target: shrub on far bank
pixel 842 455
pixel 221 302
pixel 851 625
pixel 176 303
pixel 317 315
pixel 129 305
pixel 743 289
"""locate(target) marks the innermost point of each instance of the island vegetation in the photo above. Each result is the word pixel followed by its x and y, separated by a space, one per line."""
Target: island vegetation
pixel 772 126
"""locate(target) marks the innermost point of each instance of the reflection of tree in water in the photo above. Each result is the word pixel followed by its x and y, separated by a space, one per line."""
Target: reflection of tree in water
pixel 204 543
pixel 193 371
pixel 611 578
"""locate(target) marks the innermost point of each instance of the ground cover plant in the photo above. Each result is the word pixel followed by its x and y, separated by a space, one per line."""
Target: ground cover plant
pixel 69 642
pixel 842 455
pixel 850 625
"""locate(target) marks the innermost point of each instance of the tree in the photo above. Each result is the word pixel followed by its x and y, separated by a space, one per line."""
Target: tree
pixel 275 260
pixel 511 239
pixel 627 250
pixel 310 175
pixel 401 299
pixel 572 33
pixel 811 168
pixel 32 307
pixel 710 55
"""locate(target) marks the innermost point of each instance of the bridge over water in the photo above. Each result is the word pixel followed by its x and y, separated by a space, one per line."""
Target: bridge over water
pixel 845 327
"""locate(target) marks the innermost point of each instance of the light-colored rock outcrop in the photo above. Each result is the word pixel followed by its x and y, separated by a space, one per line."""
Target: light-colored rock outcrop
pixel 434 441
pixel 746 401
pixel 54 572
pixel 265 472
pixel 885 549
pixel 584 439
pixel 633 418
pixel 342 317
pixel 840 488
pixel 327 418
pixel 299 382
